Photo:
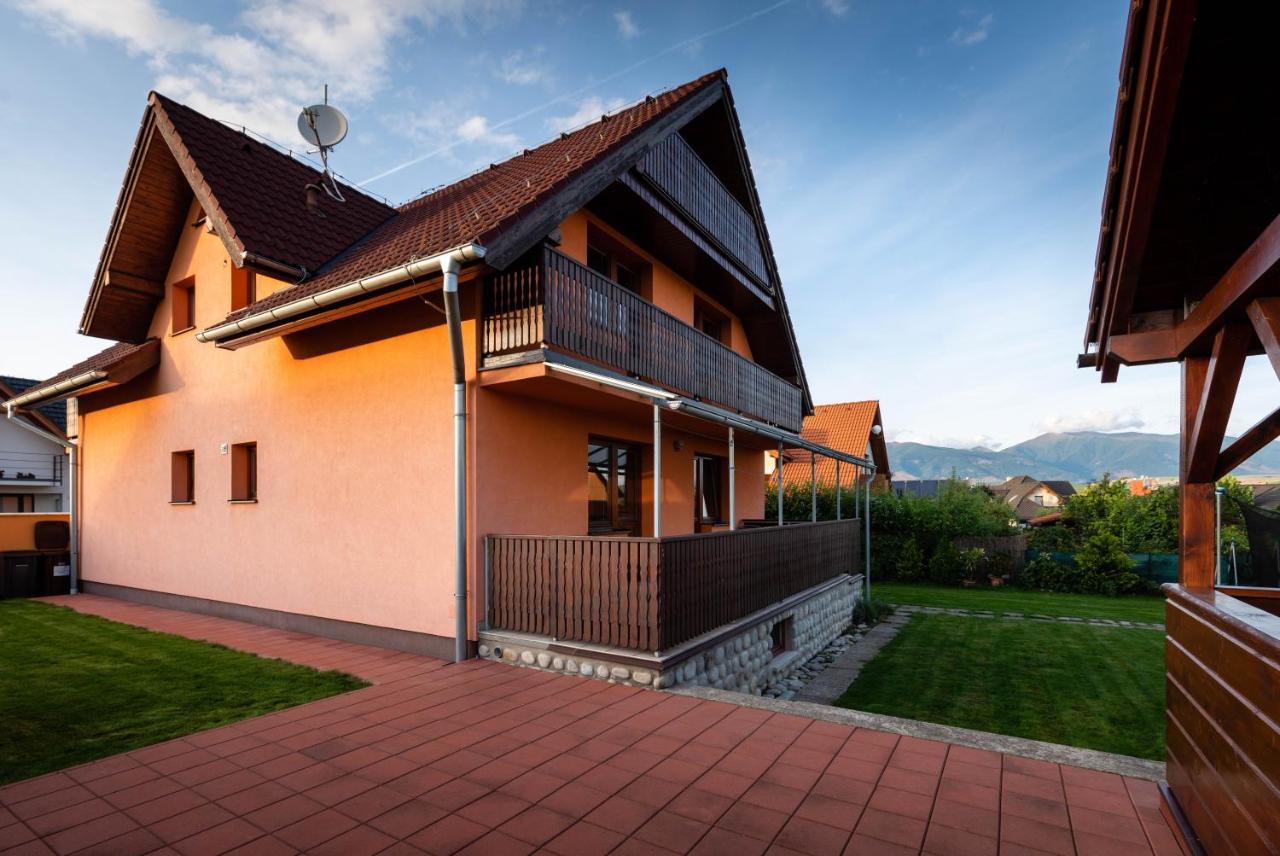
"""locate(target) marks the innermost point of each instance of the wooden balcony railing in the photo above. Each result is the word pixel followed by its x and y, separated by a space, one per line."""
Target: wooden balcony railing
pixel 652 594
pixel 568 306
pixel 675 169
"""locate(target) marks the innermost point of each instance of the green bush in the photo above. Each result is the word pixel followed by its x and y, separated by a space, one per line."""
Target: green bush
pixel 910 564
pixel 1044 574
pixel 1105 568
pixel 870 612
pixel 945 566
pixel 1000 565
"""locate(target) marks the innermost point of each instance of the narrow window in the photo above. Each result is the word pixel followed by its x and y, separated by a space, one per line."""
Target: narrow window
pixel 707 489
pixel 598 261
pixel 183 484
pixel 182 296
pixel 611 487
pixel 244 472
pixel 244 288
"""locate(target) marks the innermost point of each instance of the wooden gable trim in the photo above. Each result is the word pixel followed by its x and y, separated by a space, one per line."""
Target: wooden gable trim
pixel 546 215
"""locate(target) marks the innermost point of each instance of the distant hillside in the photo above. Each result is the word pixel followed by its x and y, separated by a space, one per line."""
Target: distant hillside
pixel 1077 457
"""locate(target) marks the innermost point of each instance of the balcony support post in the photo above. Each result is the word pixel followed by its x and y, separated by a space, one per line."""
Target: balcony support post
pixel 813 487
pixel 733 493
pixel 657 471
pixel 780 518
pixel 866 538
pixel 839 489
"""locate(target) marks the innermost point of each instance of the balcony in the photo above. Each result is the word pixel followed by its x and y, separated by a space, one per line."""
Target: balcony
pixel 565 305
pixel 652 594
pixel 30 468
pixel 674 168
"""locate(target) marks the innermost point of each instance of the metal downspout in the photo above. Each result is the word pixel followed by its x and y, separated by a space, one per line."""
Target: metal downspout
pixel 657 471
pixel 453 318
pixel 733 493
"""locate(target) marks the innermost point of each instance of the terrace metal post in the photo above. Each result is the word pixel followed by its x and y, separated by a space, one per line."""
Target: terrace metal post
pixel 733 501
pixel 866 536
pixel 657 471
pixel 780 520
pixel 813 487
pixel 839 489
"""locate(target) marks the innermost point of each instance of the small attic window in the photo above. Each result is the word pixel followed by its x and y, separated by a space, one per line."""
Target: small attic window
pixel 182 297
pixel 244 288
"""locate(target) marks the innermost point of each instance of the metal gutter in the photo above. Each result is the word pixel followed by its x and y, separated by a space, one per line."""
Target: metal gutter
pixel 339 293
pixel 40 394
pixel 672 401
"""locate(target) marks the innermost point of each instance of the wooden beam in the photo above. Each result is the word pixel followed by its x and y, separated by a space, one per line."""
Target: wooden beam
pixel 1265 315
pixel 1222 377
pixel 1196 535
pixel 133 282
pixel 1248 444
pixel 1257 270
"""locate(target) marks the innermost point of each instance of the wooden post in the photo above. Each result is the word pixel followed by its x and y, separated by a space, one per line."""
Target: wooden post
pixel 1195 499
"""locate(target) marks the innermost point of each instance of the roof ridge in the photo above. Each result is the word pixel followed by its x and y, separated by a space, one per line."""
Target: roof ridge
pixel 567 136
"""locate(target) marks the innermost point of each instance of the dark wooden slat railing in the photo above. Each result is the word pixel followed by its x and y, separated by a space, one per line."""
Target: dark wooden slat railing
pixel 675 169
pixel 566 305
pixel 651 594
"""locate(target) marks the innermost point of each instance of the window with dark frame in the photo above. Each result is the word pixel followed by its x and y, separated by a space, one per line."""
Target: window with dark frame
pixel 182 297
pixel 711 322
pixel 612 487
pixel 244 288
pixel 609 259
pixel 244 472
pixel 183 477
pixel 17 503
pixel 707 489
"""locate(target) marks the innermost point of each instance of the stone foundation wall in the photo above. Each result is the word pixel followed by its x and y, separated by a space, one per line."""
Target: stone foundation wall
pixel 742 661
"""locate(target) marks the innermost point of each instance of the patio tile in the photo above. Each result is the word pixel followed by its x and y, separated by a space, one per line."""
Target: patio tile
pixel 537 825
pixel 486 759
pixel 809 836
pixel 585 839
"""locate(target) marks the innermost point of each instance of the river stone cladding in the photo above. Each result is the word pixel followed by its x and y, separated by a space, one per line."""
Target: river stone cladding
pixel 742 662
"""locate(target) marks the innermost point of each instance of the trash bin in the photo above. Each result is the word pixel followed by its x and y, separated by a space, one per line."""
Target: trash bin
pixel 55 574
pixel 21 574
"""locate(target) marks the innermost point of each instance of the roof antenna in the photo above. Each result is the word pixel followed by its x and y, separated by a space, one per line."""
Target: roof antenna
pixel 324 126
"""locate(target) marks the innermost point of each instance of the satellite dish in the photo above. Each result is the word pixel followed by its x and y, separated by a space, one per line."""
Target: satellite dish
pixel 322 125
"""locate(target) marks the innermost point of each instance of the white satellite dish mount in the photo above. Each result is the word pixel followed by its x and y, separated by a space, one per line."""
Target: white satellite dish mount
pixel 324 126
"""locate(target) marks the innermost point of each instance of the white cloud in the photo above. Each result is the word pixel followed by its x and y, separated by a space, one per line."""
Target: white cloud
pixel 434 128
pixel 966 36
pixel 839 8
pixel 626 24
pixel 476 130
pixel 276 57
pixel 1094 420
pixel 521 68
pixel 589 110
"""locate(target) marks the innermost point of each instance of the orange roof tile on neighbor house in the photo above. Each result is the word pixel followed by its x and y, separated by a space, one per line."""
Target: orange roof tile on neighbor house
pixel 846 428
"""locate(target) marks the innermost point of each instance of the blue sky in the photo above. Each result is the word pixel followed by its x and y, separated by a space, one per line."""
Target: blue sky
pixel 931 172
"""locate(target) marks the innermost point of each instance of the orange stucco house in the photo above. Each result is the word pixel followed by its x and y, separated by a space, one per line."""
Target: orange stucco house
pixel 273 436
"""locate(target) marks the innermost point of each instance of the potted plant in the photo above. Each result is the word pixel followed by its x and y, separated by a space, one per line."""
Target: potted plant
pixel 970 560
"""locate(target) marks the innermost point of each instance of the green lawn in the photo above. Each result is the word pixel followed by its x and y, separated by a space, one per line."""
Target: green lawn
pixel 75 687
pixel 1094 687
pixel 1148 608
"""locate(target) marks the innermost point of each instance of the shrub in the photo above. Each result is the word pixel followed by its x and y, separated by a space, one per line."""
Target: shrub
pixel 910 564
pixel 1000 565
pixel 1105 568
pixel 970 561
pixel 945 566
pixel 1044 574
pixel 870 612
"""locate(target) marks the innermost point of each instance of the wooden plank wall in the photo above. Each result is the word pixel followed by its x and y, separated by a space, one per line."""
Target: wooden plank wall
pixel 1223 723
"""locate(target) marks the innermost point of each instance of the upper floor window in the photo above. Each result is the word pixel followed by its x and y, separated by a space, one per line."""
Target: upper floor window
pixel 244 288
pixel 610 258
pixel 711 321
pixel 182 297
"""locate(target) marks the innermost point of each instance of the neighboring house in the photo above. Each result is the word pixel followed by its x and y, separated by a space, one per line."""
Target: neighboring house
pixel 1266 495
pixel 1030 498
pixel 33 468
pixel 854 427
pixel 273 438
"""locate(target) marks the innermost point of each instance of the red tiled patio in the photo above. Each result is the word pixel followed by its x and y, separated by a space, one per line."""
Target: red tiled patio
pixel 485 758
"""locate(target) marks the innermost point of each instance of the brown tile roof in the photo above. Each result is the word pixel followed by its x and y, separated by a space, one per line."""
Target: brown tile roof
pixel 259 193
pixel 101 361
pixel 484 205
pixel 844 427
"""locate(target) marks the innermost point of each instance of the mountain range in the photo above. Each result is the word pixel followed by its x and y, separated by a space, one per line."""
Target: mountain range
pixel 1078 457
